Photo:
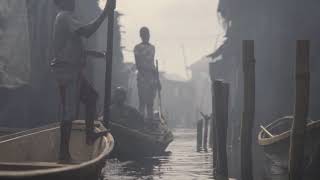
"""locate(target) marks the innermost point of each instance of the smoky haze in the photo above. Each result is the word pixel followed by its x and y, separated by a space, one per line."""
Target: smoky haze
pixel 173 24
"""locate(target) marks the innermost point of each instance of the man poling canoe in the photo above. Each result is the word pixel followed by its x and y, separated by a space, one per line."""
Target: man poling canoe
pixel 67 65
pixel 147 80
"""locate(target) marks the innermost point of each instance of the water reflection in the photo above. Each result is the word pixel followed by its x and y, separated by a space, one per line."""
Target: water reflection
pixel 183 162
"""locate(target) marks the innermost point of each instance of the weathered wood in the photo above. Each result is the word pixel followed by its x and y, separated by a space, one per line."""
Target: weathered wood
pixel 296 157
pixel 205 133
pixel 221 108
pixel 247 121
pixel 211 134
pixel 199 134
pixel 32 154
pixel 213 117
pixel 109 63
pixel 266 131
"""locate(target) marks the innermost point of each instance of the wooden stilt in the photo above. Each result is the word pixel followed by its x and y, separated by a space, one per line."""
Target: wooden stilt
pixel 205 134
pixel 211 133
pixel 296 157
pixel 247 121
pixel 199 134
pixel 213 118
pixel 221 109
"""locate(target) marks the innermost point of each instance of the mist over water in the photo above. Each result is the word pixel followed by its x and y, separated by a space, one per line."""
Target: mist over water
pixel 175 25
pixel 183 163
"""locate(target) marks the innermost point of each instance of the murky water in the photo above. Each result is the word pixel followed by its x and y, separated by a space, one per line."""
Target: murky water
pixel 183 163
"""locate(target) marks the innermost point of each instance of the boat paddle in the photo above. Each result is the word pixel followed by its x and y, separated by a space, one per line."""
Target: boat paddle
pixel 109 62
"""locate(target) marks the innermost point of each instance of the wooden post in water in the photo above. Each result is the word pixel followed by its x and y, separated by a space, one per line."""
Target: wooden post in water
pixel 199 134
pixel 247 121
pixel 224 150
pixel 205 133
pixel 213 117
pixel 296 157
pixel 221 108
pixel 211 133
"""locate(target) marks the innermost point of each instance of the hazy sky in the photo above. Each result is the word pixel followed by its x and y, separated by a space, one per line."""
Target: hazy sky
pixel 173 24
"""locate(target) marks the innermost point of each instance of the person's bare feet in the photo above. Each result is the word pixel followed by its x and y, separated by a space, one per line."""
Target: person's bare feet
pixel 92 137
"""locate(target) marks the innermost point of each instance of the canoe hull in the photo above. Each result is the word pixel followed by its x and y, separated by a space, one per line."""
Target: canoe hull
pixel 134 144
pixel 276 148
pixel 22 164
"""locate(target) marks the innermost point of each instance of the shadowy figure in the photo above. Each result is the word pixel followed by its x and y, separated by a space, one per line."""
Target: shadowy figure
pixel 67 65
pixel 147 81
pixel 124 114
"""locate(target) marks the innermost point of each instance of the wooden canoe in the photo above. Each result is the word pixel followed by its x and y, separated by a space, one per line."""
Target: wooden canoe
pixel 6 131
pixel 33 154
pixel 276 143
pixel 133 143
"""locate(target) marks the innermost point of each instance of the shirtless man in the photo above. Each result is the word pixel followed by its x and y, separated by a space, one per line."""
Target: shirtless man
pixel 124 114
pixel 147 80
pixel 67 65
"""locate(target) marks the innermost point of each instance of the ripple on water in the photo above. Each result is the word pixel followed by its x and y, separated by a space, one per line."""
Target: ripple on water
pixel 184 163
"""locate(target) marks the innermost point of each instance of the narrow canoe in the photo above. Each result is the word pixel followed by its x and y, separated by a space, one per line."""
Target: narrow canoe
pixel 33 154
pixel 133 143
pixel 6 131
pixel 276 146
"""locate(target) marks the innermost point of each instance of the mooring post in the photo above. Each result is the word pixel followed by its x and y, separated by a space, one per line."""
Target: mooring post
pixel 247 121
pixel 199 134
pixel 211 133
pixel 213 118
pixel 296 157
pixel 205 133
pixel 221 109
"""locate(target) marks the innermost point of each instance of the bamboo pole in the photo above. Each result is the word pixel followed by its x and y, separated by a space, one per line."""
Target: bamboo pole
pixel 221 109
pixel 296 157
pixel 109 63
pixel 247 121
pixel 199 134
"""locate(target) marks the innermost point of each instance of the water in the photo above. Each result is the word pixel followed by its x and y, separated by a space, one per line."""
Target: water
pixel 183 163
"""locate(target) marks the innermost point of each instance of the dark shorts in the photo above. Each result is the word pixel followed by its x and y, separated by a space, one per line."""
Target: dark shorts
pixel 72 93
pixel 146 89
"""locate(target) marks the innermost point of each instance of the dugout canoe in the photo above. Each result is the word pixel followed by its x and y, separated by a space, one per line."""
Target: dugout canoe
pixel 133 143
pixel 33 154
pixel 275 140
pixel 6 131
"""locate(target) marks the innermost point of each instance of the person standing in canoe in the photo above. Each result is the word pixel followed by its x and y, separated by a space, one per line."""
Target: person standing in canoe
pixel 147 81
pixel 67 65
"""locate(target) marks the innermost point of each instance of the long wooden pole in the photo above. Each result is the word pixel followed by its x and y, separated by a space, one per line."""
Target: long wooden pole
pixel 296 157
pixel 205 133
pixel 221 105
pixel 247 121
pixel 109 63
pixel 213 118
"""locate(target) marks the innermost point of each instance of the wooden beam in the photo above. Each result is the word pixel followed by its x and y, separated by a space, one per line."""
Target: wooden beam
pixel 221 91
pixel 109 63
pixel 247 121
pixel 213 118
pixel 296 157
